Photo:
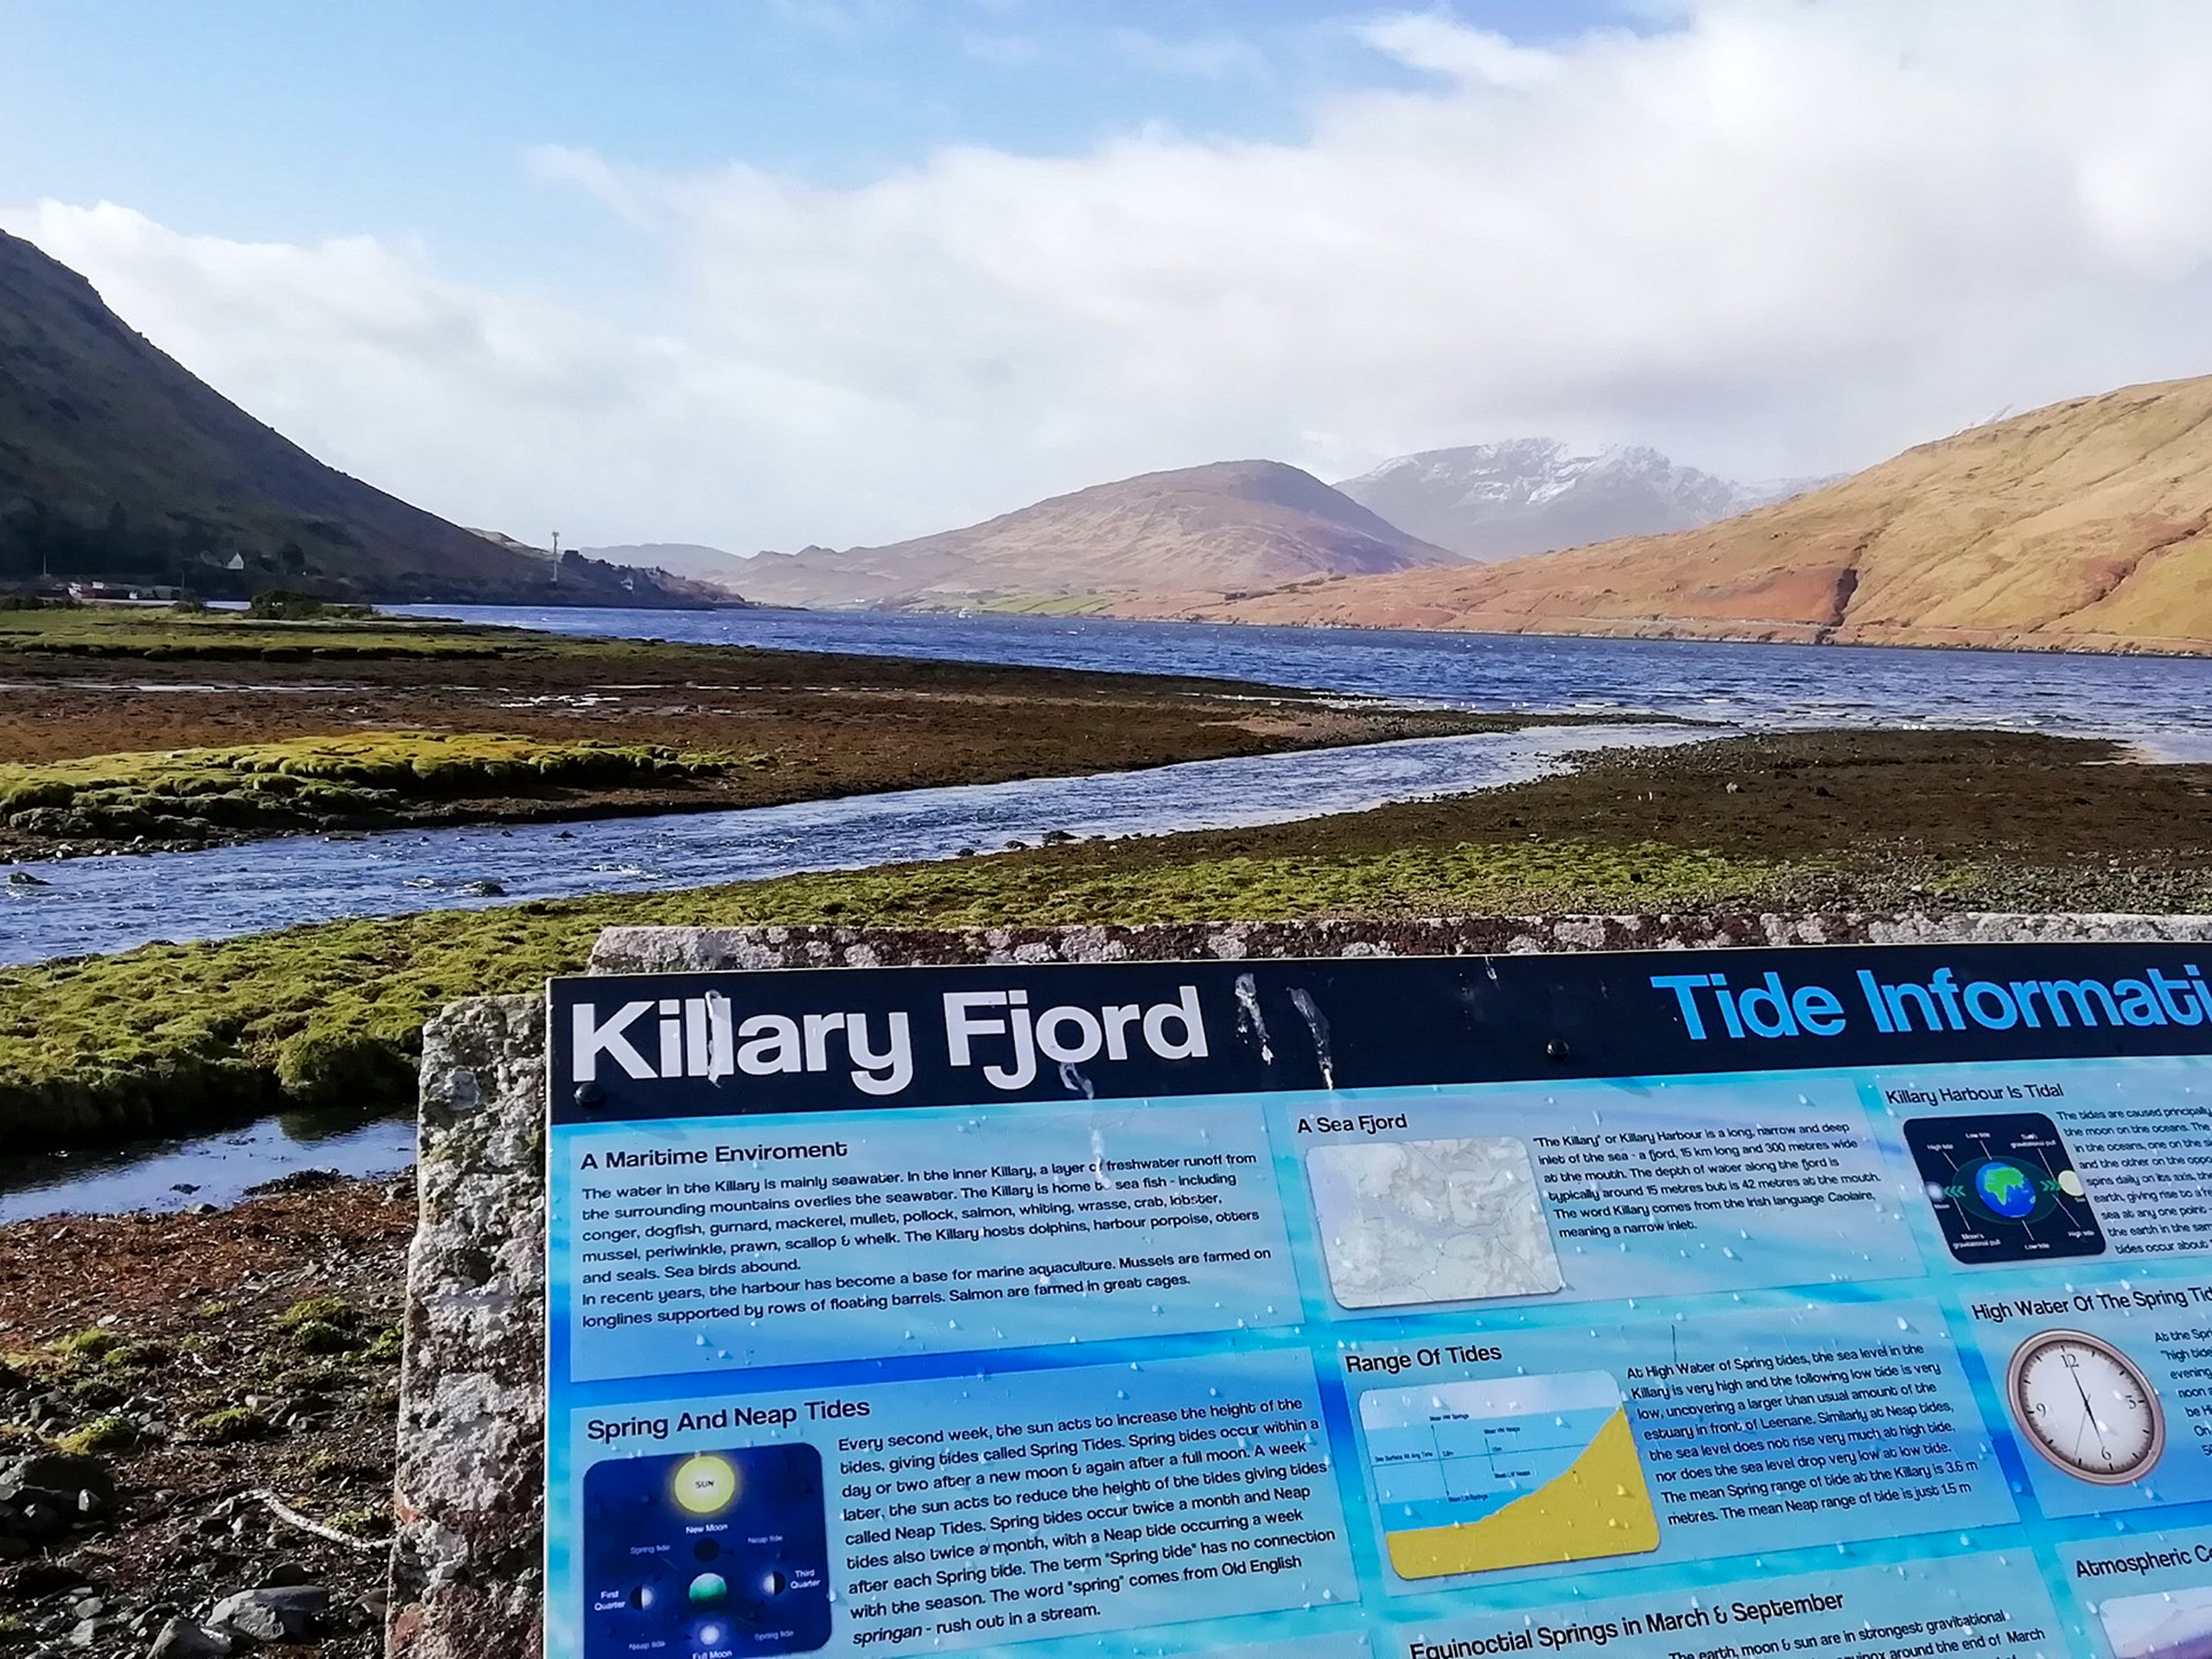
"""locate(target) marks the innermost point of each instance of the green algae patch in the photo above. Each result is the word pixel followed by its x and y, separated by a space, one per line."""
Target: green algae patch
pixel 103 1435
pixel 167 1036
pixel 302 783
pixel 234 636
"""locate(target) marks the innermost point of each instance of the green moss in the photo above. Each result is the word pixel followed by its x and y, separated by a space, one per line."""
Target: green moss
pixel 319 1325
pixel 230 1425
pixel 168 1034
pixel 313 1336
pixel 318 1309
pixel 97 630
pixel 92 1344
pixel 102 1435
pixel 138 1357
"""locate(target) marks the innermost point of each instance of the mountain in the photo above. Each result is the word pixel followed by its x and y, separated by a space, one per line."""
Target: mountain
pixel 1490 501
pixel 707 564
pixel 1200 531
pixel 2084 525
pixel 116 461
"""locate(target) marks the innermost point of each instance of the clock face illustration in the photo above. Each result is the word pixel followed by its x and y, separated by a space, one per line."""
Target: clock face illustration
pixel 2086 1407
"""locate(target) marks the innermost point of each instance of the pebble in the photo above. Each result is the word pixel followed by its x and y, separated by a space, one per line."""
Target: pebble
pixel 187 1638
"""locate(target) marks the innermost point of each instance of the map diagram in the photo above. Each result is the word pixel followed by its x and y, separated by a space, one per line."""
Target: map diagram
pixel 1405 1222
pixel 2003 1187
pixel 1476 1476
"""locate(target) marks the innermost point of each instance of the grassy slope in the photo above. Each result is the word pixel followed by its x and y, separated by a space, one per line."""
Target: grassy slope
pixel 116 460
pixel 1896 820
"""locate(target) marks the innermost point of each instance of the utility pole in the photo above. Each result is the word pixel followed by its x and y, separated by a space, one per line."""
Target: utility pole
pixel 556 558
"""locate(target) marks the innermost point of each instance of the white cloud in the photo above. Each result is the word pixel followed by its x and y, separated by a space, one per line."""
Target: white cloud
pixel 1784 236
pixel 1434 42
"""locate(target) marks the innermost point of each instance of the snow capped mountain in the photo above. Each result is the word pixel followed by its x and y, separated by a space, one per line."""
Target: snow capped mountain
pixel 1489 501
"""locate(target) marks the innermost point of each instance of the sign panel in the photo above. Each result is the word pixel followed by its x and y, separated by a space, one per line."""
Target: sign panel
pixel 1851 1301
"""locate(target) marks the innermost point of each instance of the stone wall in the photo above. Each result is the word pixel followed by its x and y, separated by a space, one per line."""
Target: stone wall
pixel 467 1569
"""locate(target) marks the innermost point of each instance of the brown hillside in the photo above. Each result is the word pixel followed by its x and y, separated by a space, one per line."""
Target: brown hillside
pixel 2087 525
pixel 1199 532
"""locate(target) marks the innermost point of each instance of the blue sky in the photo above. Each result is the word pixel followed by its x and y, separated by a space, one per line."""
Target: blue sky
pixel 765 272
pixel 412 118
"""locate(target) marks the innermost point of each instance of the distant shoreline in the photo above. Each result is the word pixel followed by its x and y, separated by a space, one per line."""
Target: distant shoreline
pixel 1688 632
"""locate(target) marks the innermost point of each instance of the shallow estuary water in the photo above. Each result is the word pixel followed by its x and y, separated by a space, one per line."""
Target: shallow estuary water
pixel 110 904
pixel 92 905
pixel 217 1168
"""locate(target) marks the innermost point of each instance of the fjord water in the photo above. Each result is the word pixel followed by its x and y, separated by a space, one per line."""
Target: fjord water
pixel 2159 700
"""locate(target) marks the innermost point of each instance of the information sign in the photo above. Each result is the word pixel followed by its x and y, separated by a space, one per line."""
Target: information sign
pixel 1680 1306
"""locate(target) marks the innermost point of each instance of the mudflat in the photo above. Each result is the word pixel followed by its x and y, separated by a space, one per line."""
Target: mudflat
pixel 732 726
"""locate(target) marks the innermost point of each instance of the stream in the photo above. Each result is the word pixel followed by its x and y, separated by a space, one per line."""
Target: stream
pixel 85 905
